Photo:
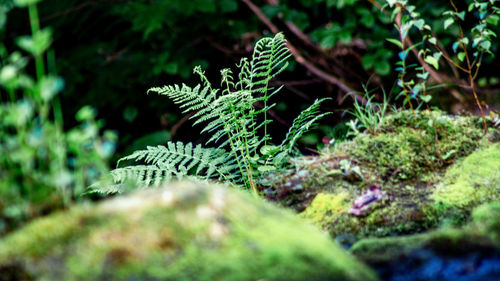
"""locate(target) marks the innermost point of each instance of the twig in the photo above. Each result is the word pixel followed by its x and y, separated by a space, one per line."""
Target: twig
pixel 74 9
pixel 298 57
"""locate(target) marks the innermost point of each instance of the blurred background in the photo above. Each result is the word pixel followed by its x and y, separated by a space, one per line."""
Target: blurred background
pixel 110 52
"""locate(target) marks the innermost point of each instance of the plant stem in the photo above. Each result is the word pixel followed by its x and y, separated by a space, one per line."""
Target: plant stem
pixel 35 28
pixel 469 71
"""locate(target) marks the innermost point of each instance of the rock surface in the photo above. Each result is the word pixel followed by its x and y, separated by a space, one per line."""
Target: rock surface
pixel 454 254
pixel 431 169
pixel 180 232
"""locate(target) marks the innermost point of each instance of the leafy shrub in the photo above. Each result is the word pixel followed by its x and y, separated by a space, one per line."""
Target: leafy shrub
pixel 42 167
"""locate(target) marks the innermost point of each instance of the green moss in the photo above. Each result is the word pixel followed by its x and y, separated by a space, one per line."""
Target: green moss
pixel 411 144
pixel 486 219
pixel 183 232
pixel 482 233
pixel 326 207
pixel 473 180
pixel 407 156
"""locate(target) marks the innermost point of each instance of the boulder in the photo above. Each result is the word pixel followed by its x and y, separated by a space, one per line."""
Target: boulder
pixel 449 253
pixel 412 172
pixel 184 231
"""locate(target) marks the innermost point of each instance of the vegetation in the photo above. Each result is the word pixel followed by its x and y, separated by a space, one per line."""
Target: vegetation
pixel 407 143
pixel 43 167
pixel 233 122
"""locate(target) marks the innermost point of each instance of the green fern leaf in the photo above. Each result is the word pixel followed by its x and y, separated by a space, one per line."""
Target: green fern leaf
pixel 302 124
pixel 176 160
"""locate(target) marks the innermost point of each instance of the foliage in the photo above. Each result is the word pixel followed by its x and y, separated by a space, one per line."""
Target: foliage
pixel 469 57
pixel 110 51
pixel 42 167
pixel 233 120
pixel 370 113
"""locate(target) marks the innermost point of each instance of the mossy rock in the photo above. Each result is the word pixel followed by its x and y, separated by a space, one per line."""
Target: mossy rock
pixel 185 231
pixel 471 252
pixel 415 158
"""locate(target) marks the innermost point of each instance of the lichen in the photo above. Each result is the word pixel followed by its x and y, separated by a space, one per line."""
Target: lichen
pixel 182 232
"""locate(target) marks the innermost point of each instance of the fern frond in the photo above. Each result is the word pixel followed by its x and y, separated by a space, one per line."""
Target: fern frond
pixel 176 160
pixel 269 59
pixel 191 99
pixel 302 124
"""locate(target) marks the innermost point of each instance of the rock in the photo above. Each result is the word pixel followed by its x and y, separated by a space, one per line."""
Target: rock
pixel 430 167
pixel 184 231
pixel 468 253
pixel 472 181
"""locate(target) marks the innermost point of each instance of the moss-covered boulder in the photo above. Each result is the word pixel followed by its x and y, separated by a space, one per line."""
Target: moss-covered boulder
pixel 468 253
pixel 412 172
pixel 471 181
pixel 184 231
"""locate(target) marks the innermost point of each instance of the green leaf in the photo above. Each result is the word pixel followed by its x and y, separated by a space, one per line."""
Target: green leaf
pixel 266 169
pixel 419 24
pixel 50 86
pixel 461 56
pixel 448 22
pixel 382 68
pixel 395 42
pixel 171 68
pixel 485 45
pixel 269 150
pixel 432 61
pixel 36 44
pixel 423 76
pixel 228 6
pixel 3 16
pixel 85 113
pixel 206 6
pixel 493 20
pixel 432 40
pixel 24 3
pixel 426 98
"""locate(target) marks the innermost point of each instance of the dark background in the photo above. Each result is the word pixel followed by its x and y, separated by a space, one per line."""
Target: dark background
pixel 110 52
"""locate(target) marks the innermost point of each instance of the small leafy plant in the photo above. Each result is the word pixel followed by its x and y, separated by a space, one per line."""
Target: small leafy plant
pixel 42 167
pixel 236 119
pixel 370 114
pixel 470 47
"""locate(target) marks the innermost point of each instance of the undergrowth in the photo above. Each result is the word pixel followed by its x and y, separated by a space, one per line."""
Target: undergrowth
pixel 235 117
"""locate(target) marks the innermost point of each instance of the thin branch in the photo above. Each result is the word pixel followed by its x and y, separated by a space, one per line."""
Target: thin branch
pixel 298 57
pixel 77 8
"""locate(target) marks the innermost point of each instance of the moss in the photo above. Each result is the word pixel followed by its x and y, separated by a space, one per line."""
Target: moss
pixel 182 232
pixel 326 207
pixel 473 180
pixel 481 234
pixel 407 157
pixel 411 144
pixel 486 219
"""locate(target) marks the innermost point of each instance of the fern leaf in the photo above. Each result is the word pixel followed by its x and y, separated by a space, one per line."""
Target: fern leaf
pixel 269 59
pixel 176 160
pixel 302 124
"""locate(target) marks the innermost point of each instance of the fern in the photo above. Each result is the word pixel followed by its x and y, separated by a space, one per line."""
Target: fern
pixel 177 160
pixel 230 116
pixel 302 124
